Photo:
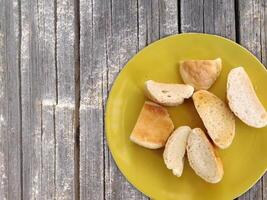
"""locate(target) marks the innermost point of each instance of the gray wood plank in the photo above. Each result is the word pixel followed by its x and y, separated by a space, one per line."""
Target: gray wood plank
pixel 253 36
pixel 31 105
pixel 66 120
pixel 168 17
pixel 148 20
pixel 156 19
pixel 46 62
pixel 38 85
pixel 65 144
pixel 48 154
pixel 10 124
pixel 219 18
pixel 66 50
pixel 192 16
pixel 48 150
pixel 252 33
pixel 214 17
pixel 93 79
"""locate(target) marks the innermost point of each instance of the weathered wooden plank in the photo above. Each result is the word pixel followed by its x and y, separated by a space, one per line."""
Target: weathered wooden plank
pixel 156 19
pixel 46 32
pixel 66 120
pixel 47 64
pixel 214 17
pixel 38 82
pixel 252 26
pixel 10 123
pixel 31 107
pixel 48 148
pixel 93 79
pixel 148 20
pixel 65 144
pixel 66 50
pixel 253 36
pixel 168 17
pixel 192 16
pixel 219 18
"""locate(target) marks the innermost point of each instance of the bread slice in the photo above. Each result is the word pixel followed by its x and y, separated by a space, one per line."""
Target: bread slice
pixel 174 151
pixel 201 74
pixel 167 94
pixel 216 116
pixel 203 157
pixel 243 100
pixel 153 126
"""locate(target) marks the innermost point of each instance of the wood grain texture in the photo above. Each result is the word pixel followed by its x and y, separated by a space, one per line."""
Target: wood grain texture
pixel 214 17
pixel 168 17
pixel 66 51
pixel 65 144
pixel 38 86
pixel 31 104
pixel 253 36
pixel 93 79
pixel 65 115
pixel 48 151
pixel 148 21
pixel 10 124
pixel 192 16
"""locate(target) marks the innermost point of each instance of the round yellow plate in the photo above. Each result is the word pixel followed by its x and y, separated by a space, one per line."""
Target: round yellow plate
pixel 245 161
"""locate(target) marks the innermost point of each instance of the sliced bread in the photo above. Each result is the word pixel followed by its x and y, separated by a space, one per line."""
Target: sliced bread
pixel 216 116
pixel 175 148
pixel 243 100
pixel 203 158
pixel 167 94
pixel 201 74
pixel 153 126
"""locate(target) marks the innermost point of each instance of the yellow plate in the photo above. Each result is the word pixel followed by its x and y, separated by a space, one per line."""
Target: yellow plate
pixel 245 161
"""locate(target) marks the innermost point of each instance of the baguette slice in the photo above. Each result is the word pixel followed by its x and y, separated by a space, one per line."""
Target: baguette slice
pixel 216 116
pixel 167 94
pixel 203 157
pixel 153 126
pixel 174 152
pixel 201 74
pixel 243 100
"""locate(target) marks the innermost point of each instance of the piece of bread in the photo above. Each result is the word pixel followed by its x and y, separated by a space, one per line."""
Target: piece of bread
pixel 175 148
pixel 167 94
pixel 203 157
pixel 216 116
pixel 243 100
pixel 153 126
pixel 201 74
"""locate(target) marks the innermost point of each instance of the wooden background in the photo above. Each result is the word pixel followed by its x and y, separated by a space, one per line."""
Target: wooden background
pixel 58 60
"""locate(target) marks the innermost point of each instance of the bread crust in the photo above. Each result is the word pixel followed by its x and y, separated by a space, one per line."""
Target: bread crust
pixel 215 160
pixel 153 126
pixel 243 100
pixel 216 116
pixel 201 74
pixel 175 149
pixel 167 94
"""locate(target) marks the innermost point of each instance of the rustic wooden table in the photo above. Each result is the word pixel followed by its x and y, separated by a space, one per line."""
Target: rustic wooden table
pixel 58 60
